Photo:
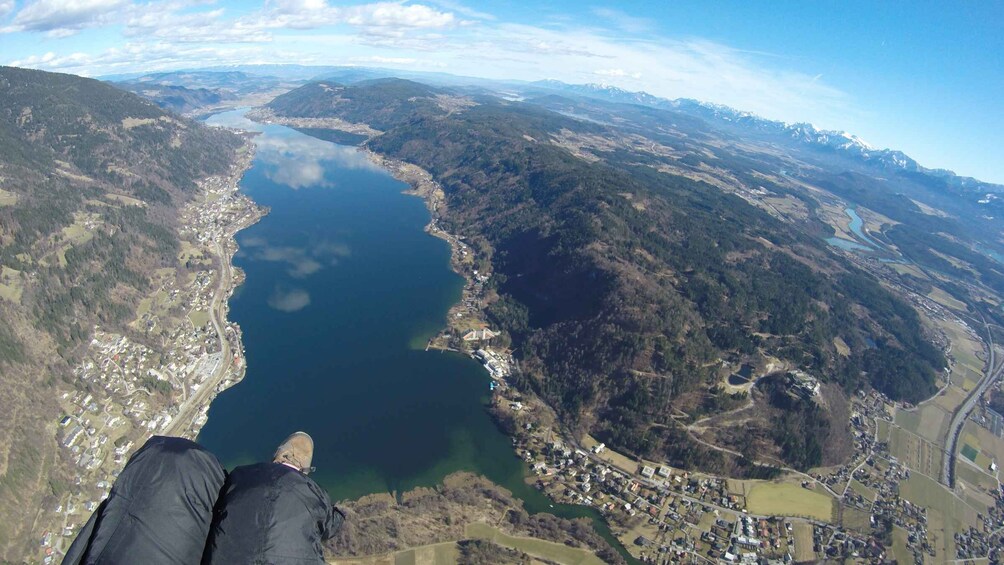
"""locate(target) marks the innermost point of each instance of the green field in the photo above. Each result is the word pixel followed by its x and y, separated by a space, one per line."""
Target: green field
pixel 946 513
pixel 127 200
pixel 857 520
pixel 884 428
pixel 915 452
pixel 445 553
pixel 7 198
pixel 199 318
pixel 861 489
pixel 946 299
pixel 970 452
pixel 548 550
pixel 786 499
pixel 803 542
pixel 10 284
pixel 975 477
pixel 899 549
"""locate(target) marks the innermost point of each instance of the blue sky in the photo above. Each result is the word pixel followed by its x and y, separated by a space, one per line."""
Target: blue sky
pixel 926 78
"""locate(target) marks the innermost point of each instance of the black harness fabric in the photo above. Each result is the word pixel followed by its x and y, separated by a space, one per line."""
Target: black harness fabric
pixel 270 513
pixel 159 510
pixel 174 504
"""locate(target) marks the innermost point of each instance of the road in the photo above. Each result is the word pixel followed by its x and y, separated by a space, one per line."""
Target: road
pixel 182 423
pixel 993 373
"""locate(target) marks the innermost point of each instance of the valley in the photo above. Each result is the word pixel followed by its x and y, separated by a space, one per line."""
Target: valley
pixel 705 338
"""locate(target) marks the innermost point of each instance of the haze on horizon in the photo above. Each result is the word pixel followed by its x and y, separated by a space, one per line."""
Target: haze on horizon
pixel 926 79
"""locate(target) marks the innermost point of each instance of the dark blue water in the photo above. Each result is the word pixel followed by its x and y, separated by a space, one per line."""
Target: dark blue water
pixel 343 290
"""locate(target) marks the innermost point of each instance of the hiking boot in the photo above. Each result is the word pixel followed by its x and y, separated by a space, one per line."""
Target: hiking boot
pixel 296 452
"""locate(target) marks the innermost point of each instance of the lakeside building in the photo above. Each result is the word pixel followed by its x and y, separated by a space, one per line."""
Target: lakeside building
pixel 484 334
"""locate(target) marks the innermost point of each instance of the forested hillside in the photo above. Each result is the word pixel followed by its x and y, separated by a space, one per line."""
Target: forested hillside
pixel 91 178
pixel 177 98
pixel 624 282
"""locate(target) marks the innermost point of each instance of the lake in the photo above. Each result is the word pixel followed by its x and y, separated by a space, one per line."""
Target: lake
pixel 343 290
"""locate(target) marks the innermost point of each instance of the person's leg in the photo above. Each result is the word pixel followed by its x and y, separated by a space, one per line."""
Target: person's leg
pixel 159 509
pixel 273 512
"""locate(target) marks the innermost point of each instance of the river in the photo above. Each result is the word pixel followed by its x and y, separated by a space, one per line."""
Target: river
pixel 343 290
pixel 855 226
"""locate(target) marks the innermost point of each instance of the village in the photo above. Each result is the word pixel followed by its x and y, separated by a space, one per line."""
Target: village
pixel 668 515
pixel 159 379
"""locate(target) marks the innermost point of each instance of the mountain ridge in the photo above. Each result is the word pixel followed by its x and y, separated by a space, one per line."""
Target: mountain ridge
pixel 803 132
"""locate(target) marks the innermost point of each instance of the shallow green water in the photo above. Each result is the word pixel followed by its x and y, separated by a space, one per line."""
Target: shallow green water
pixel 342 283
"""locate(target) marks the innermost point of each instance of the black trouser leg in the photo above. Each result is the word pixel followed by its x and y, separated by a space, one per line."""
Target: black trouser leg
pixel 159 509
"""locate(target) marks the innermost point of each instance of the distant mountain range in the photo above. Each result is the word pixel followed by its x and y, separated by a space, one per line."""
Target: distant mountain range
pixel 838 141
pixel 240 79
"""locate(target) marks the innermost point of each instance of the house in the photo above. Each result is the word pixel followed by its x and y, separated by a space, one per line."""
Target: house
pixel 484 334
pixel 802 384
pixel 643 541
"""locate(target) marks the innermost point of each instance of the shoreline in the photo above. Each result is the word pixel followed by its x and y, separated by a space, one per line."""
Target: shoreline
pixel 135 384
pixel 193 413
pixel 432 195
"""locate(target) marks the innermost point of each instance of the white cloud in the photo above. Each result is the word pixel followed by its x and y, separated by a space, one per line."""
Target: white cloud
pixel 312 14
pixel 191 21
pixel 61 17
pixel 6 7
pixel 187 33
pixel 625 22
pixel 616 73
pixel 148 56
pixel 463 10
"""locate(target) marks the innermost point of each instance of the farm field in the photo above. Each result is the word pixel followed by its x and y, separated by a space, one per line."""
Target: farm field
pixel 861 489
pixel 802 532
pixel 199 318
pixel 917 453
pixel 974 477
pixel 616 459
pixel 991 445
pixel 7 198
pixel 946 300
pixel 787 499
pixel 947 514
pixel 444 553
pixel 539 548
pixel 10 284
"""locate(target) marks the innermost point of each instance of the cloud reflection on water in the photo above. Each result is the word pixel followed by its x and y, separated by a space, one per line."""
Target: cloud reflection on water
pixel 299 161
pixel 288 299
pixel 302 261
pixel 233 119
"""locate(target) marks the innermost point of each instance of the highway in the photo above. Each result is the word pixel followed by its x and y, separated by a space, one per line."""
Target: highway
pixel 993 373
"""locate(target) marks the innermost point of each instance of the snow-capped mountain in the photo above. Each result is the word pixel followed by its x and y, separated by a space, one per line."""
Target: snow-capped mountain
pixel 827 140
